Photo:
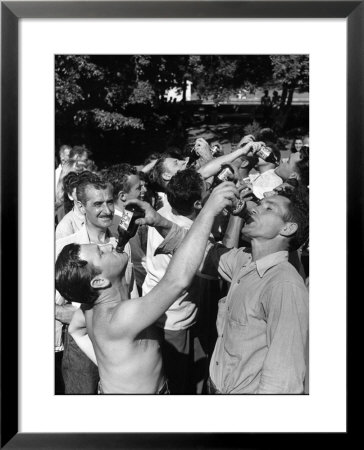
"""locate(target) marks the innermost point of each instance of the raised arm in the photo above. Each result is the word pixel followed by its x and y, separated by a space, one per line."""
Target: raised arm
pixel 213 166
pixel 77 329
pixel 136 315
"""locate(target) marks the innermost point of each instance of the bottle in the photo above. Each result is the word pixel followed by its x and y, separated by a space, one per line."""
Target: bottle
pixel 266 154
pixel 216 150
pixel 193 157
pixel 127 226
pixel 226 174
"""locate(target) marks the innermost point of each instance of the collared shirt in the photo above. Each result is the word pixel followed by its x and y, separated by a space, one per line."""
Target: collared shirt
pixel 57 174
pixel 70 223
pixel 182 313
pixel 264 182
pixel 262 324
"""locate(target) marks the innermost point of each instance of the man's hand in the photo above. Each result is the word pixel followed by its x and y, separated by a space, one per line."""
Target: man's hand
pixel 246 139
pixel 64 313
pixel 152 218
pixel 202 148
pixel 221 197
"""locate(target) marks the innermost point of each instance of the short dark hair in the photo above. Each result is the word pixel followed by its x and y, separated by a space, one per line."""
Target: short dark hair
pixel 72 180
pixel 183 189
pixel 155 180
pixel 99 184
pixel 298 212
pixel 152 157
pixel 74 275
pixel 118 176
pixel 274 149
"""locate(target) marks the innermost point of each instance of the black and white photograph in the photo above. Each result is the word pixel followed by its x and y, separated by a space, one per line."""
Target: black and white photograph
pixel 176 269
pixel 181 223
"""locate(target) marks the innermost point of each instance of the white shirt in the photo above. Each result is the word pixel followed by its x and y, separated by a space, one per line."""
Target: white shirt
pixel 182 313
pixel 58 173
pixel 264 182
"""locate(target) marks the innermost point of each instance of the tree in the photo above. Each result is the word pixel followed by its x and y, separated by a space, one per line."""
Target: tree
pixel 291 72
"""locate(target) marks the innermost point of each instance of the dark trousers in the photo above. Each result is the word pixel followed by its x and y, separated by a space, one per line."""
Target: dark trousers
pixel 211 388
pixel 58 382
pixel 80 374
pixel 184 361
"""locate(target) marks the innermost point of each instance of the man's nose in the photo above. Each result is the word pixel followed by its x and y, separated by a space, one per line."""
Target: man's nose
pixel 107 209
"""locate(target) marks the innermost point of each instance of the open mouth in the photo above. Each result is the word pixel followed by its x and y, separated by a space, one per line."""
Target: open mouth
pixel 248 218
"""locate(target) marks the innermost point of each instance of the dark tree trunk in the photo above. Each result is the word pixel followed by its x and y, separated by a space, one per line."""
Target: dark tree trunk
pixel 290 96
pixel 184 87
pixel 284 96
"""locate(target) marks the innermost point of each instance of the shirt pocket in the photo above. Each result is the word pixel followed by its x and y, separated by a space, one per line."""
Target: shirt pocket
pixel 237 312
pixel 234 340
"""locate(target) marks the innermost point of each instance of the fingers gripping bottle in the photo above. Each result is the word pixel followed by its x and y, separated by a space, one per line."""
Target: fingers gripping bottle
pixel 127 227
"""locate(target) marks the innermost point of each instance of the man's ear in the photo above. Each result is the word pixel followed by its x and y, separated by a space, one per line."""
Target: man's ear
pixel 166 176
pixel 288 229
pixel 198 204
pixel 70 197
pixel 122 196
pixel 100 282
pixel 81 207
pixel 294 175
pixel 245 163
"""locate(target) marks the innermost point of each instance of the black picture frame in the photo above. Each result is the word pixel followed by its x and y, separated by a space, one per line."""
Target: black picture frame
pixel 11 12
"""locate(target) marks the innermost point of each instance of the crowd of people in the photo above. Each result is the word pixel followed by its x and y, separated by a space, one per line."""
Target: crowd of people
pixel 210 293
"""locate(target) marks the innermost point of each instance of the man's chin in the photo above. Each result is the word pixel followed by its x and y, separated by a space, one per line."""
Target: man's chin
pixel 106 222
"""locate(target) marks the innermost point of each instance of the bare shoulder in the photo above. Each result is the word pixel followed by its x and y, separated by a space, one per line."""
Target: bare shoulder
pixel 116 322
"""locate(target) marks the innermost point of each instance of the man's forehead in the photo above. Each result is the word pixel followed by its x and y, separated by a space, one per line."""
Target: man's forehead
pixel 93 192
pixel 134 179
pixel 278 200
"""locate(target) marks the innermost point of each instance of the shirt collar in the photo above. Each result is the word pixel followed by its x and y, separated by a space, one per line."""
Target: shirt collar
pixel 269 261
pixel 79 215
pixel 117 212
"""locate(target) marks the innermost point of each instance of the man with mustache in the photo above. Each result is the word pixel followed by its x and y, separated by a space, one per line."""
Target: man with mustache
pixel 96 202
pixel 115 331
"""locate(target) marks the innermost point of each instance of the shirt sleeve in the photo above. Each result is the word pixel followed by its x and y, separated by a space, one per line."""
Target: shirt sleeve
pixel 172 241
pixel 284 367
pixel 218 259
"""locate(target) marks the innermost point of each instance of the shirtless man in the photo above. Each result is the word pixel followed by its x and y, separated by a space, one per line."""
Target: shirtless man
pixel 125 345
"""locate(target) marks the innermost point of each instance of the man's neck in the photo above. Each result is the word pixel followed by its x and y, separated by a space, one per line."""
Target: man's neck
pixel 191 216
pixel 116 293
pixel 119 206
pixel 277 172
pixel 260 249
pixel 97 235
pixel 265 168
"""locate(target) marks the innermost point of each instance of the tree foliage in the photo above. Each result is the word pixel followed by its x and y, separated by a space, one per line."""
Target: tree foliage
pixel 100 95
